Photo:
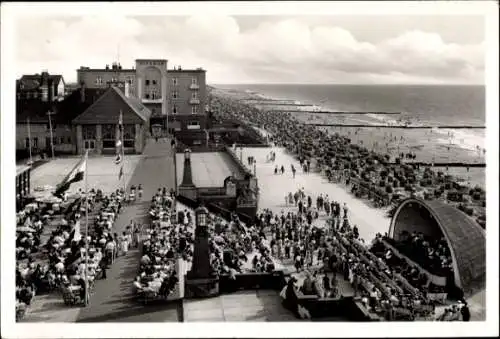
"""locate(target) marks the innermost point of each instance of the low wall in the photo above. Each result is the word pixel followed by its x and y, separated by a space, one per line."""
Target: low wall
pixel 237 160
pixel 252 281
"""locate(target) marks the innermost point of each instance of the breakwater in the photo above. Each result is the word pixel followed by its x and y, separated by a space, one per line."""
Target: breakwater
pixel 444 164
pixel 335 112
pixel 400 126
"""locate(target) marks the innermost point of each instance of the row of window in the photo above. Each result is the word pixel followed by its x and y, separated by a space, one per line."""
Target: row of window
pixel 99 81
pixel 130 80
pixel 108 132
pixel 194 95
pixel 153 94
pixel 194 109
pixel 57 141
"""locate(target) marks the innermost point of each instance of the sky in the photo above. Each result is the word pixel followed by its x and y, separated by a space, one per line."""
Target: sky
pixel 423 49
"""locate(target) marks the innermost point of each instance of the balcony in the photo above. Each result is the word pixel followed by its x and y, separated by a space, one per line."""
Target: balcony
pixel 194 101
pixel 194 86
pixel 152 101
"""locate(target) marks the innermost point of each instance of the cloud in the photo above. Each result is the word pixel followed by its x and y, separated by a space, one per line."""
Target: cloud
pixel 285 50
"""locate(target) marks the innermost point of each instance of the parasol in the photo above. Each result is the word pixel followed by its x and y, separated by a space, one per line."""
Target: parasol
pixel 25 229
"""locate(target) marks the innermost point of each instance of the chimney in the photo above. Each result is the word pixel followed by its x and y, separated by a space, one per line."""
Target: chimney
pixel 82 92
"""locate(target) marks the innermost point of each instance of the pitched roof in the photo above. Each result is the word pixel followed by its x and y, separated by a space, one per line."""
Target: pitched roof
pixel 65 111
pixel 106 110
pixel 34 81
pixel 465 237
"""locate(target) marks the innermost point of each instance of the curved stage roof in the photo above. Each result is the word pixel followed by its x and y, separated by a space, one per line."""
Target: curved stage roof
pixel 466 239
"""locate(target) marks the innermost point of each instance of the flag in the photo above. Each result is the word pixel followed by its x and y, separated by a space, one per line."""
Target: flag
pixel 119 139
pixel 76 174
pixel 77 232
pixel 118 159
pixel 121 173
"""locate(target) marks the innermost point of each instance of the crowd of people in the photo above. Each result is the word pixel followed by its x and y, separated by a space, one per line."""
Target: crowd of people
pixel 370 174
pixel 432 254
pixel 60 262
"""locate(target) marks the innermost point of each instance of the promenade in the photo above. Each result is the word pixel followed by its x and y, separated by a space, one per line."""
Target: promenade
pixel 273 188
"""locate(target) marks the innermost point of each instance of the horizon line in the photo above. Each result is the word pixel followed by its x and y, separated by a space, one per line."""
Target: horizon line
pixel 341 84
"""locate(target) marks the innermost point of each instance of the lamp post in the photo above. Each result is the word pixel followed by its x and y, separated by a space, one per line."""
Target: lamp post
pixel 49 113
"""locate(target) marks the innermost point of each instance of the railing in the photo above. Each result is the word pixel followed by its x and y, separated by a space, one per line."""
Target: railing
pixel 211 190
pixel 152 101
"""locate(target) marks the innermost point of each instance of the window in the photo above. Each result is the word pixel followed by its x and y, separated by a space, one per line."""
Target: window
pixel 113 79
pixel 194 109
pixel 146 95
pixel 129 136
pixel 147 82
pixel 35 142
pixel 154 94
pixel 61 140
pixel 27 143
pixel 194 95
pixel 194 81
pixel 89 144
pixel 69 140
pixel 108 136
pixel 193 125
pixel 174 110
pixel 130 80
pixel 154 82
pixel 28 95
pixel 175 94
pixel 174 81
pixel 89 132
pixel 98 80
pixel 35 94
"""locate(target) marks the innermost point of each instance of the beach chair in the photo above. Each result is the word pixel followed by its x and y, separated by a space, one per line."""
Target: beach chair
pixel 71 297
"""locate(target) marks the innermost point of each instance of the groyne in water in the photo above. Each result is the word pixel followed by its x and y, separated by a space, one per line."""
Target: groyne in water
pixel 399 126
pixel 333 112
pixel 444 164
pixel 279 104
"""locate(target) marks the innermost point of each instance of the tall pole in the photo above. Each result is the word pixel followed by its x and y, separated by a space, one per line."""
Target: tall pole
pixel 86 231
pixel 122 132
pixel 29 140
pixel 49 113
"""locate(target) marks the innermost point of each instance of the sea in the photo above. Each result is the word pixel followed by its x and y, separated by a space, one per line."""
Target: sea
pixel 424 104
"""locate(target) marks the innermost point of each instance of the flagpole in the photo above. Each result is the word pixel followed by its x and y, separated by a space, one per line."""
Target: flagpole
pixel 29 139
pixel 123 151
pixel 86 230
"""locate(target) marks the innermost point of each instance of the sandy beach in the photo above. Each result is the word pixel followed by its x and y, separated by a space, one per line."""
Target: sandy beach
pixel 426 144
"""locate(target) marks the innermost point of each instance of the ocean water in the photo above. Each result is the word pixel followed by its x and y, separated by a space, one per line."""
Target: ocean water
pixel 428 104
pixel 436 104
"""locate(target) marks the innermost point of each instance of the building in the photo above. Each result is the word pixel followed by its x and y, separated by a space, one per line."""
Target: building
pixel 97 130
pixel 177 98
pixel 44 87
pixel 32 122
pixel 23 185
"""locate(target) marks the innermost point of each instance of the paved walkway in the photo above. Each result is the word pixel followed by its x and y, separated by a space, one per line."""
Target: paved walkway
pixel 113 299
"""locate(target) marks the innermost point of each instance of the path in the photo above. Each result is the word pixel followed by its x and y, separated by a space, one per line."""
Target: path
pixel 274 187
pixel 112 299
